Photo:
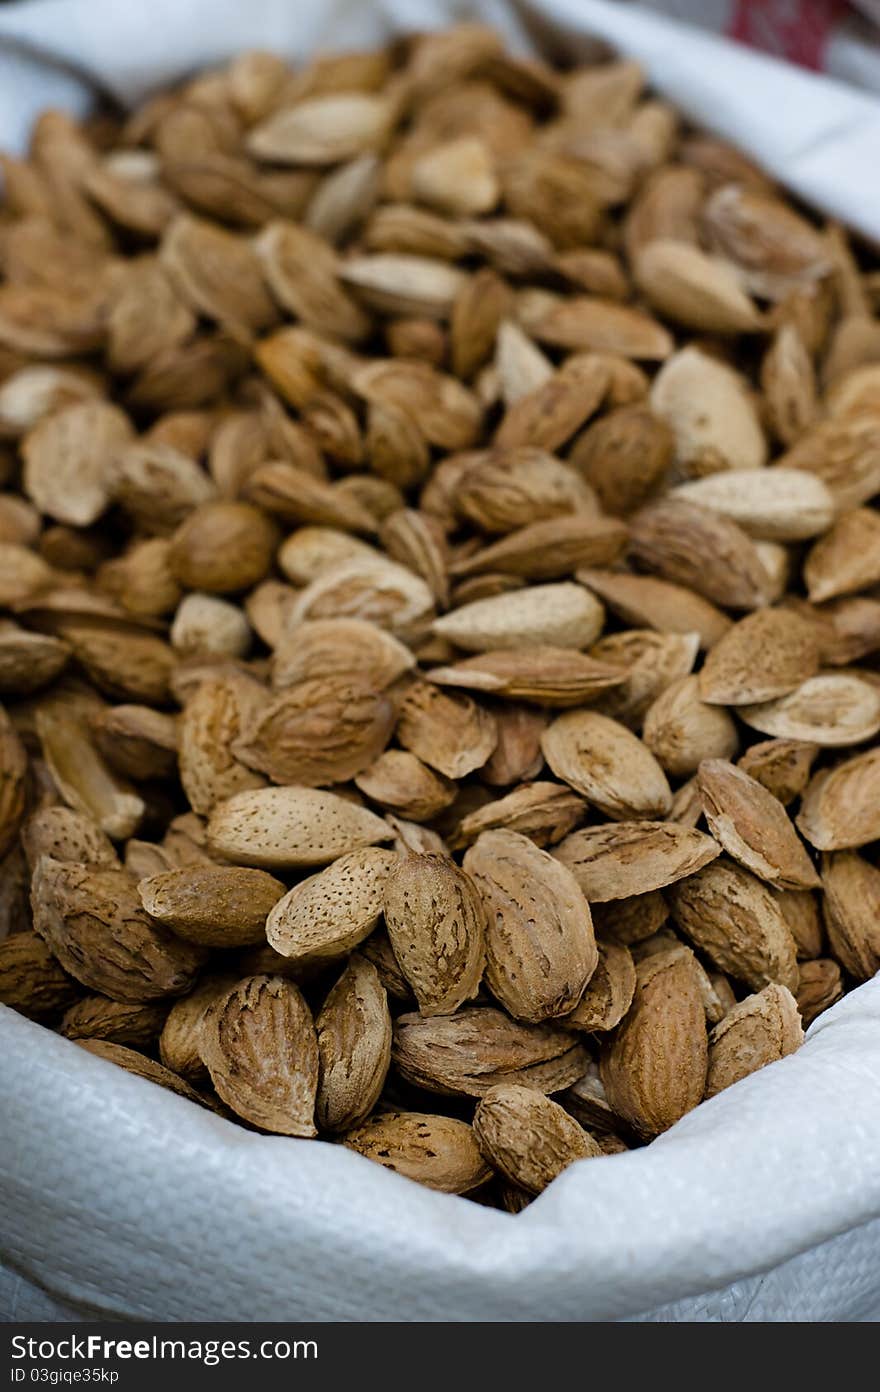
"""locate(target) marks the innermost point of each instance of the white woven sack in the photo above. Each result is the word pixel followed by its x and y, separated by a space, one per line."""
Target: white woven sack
pixel 121 1200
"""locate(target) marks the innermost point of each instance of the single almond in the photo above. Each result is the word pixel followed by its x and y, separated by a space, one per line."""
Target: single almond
pixel 733 918
pixel 479 1047
pixel 547 676
pixel 609 993
pixel 752 827
pixel 354 1047
pixel 622 859
pixel 770 504
pixel 436 926
pixel 549 415
pixel 625 456
pixel 654 1070
pixel 831 710
pixel 288 827
pixel 763 657
pixel 540 946
pixel 761 1029
pixel 399 781
pixel 847 558
pixel 436 1151
pixel 502 490
pixel 646 602
pixel 327 914
pixel 694 289
pixel 32 980
pixel 697 547
pixel 544 812
pixel 841 806
pixel 819 986
pixel 259 1046
pixel 707 406
pixel 92 920
pixel 607 765
pixel 781 765
pixel 681 729
pixel 563 615
pixel 213 906
pixel 851 910
pixel 529 1138
pixel 450 732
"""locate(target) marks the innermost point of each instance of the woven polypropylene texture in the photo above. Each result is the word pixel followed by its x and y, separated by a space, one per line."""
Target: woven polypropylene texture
pixel 119 1197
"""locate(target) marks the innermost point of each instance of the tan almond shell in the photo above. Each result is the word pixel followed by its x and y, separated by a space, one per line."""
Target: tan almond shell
pixel 354 1046
pixel 213 905
pixel 609 991
pixel 529 1138
pixel 540 946
pixel 92 920
pixel 437 1151
pixel 732 917
pixel 752 826
pixel 327 914
pixel 761 1029
pixel 623 859
pixel 137 1025
pixel 606 764
pixel 291 827
pixel 654 1070
pixel 467 1053
pixel 851 910
pixel 436 924
pixel 258 1044
pixel 32 980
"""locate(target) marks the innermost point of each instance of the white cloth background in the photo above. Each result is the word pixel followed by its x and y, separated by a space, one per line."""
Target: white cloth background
pixel 120 1200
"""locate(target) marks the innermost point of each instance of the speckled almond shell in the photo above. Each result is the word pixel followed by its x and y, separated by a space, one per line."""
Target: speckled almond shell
pixel 354 1046
pixel 438 1151
pixel 733 918
pixel 326 915
pixel 258 1043
pixel 529 1138
pixel 759 1030
pixel 289 827
pixel 93 922
pixel 436 923
pixel 654 1070
pixel 540 945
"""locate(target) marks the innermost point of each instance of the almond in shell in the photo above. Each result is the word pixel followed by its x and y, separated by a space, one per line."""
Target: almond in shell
pixel 436 925
pixel 437 1151
pixel 654 1069
pixel 607 764
pixel 733 918
pixel 327 914
pixel 354 1046
pixel 761 1029
pixel 540 945
pixel 529 1138
pixel 286 828
pixel 258 1044
pixel 752 826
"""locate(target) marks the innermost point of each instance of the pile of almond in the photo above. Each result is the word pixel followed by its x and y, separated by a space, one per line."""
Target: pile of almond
pixel 442 605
